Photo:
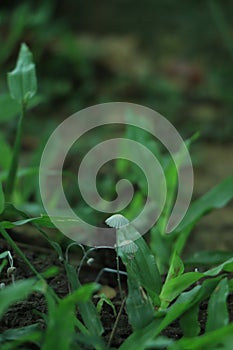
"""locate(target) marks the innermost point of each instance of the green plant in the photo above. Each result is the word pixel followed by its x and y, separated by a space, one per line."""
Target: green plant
pixel 161 288
pixel 11 270
pixel 22 85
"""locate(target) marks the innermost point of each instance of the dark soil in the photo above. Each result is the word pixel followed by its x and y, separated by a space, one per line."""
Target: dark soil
pixel 25 312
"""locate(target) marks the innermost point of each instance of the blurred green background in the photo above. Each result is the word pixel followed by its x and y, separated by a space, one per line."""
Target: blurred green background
pixel 175 57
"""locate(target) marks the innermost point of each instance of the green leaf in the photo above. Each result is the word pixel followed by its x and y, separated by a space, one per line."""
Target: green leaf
pixel 171 180
pixel 187 300
pixel 141 269
pixel 184 302
pixel 82 294
pixel 159 343
pixel 176 267
pixel 141 260
pixel 13 293
pixel 62 319
pixel 11 211
pixel 225 266
pixel 161 247
pixel 105 299
pixel 90 317
pixel 217 307
pixel 20 333
pixel 189 322
pixel 50 272
pixel 215 198
pixel 4 255
pixel 43 221
pixel 87 309
pixel 172 288
pixel 22 80
pixel 143 337
pixel 208 340
pixel 138 304
pixel 61 322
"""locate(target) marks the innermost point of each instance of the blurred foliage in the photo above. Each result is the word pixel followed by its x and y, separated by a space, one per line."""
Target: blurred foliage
pixel 175 58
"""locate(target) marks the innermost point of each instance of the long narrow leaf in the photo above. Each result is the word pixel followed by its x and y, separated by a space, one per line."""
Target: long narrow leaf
pixel 142 338
pixel 13 293
pixel 60 333
pixel 139 307
pixel 43 221
pixel 141 258
pixel 87 309
pixel 217 307
pixel 208 340
pixel 189 322
pixel 173 287
pixel 19 335
pixel 186 301
pixel 219 196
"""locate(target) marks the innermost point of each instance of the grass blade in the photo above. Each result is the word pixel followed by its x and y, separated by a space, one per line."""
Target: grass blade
pixel 18 336
pixel 62 319
pixel 13 293
pixel 87 309
pixel 139 308
pixel 189 322
pixel 217 197
pixel 217 307
pixel 172 288
pixel 208 340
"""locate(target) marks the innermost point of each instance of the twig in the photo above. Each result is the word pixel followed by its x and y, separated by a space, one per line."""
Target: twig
pixel 116 322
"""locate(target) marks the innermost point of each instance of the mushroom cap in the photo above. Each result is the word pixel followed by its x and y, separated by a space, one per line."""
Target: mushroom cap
pixel 117 221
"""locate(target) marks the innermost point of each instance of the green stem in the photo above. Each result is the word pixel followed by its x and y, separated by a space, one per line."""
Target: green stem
pixel 118 274
pixel 15 158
